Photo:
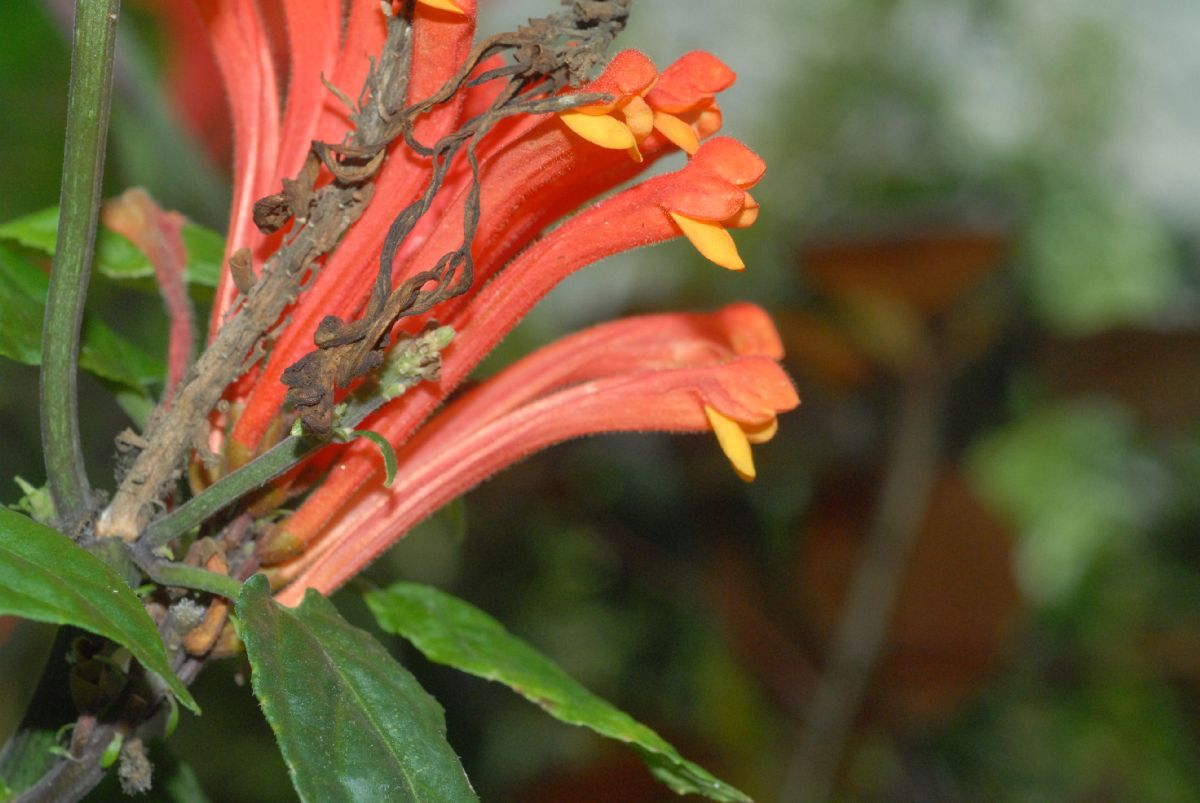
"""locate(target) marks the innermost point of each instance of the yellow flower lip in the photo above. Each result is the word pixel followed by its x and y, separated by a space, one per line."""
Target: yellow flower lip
pixel 677 131
pixel 600 125
pixel 443 5
pixel 761 433
pixel 746 217
pixel 599 129
pixel 734 443
pixel 711 239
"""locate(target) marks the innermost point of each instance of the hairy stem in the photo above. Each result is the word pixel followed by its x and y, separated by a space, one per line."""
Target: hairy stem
pixel 228 489
pixel 83 167
pixel 180 576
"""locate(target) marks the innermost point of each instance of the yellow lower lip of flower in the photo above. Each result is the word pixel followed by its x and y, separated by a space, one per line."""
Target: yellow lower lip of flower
pixel 761 433
pixel 744 219
pixel 442 5
pixel 711 240
pixel 600 129
pixel 677 131
pixel 733 441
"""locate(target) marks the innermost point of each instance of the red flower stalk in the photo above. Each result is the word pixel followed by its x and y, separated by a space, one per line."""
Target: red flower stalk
pixel 676 372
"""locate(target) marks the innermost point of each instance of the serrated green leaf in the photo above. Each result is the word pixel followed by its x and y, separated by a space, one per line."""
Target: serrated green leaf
pixel 116 257
pixel 47 577
pixel 352 724
pixel 452 632
pixel 102 352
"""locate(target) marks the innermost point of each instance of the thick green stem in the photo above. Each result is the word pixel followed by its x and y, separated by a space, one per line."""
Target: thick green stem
pixel 83 168
pixel 228 489
pixel 181 576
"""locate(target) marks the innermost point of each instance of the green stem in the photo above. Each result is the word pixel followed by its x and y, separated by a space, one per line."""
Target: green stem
pixel 180 576
pixel 228 489
pixel 83 167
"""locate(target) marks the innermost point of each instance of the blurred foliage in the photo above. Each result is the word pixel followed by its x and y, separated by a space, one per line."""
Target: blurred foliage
pixel 1029 172
pixel 1077 485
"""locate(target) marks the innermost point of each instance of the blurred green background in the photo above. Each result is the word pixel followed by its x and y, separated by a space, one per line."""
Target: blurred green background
pixel 979 238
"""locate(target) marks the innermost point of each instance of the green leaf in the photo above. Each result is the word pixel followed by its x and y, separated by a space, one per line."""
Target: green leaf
pixel 1068 476
pixel 352 724
pixel 1095 258
pixel 103 352
pixel 109 356
pixel 116 257
pixel 21 308
pixel 45 576
pixel 452 632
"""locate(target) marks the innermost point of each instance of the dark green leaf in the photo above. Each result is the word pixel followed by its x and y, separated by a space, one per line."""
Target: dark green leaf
pixel 452 632
pixel 352 724
pixel 103 352
pixel 47 577
pixel 116 257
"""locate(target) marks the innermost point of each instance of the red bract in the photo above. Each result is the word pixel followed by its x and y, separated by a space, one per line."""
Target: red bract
pixel 676 372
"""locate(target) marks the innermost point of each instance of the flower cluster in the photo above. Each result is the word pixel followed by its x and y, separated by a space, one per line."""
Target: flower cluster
pixel 537 175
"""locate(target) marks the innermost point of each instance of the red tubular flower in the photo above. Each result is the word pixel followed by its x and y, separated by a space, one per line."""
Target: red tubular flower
pixel 641 215
pixel 670 372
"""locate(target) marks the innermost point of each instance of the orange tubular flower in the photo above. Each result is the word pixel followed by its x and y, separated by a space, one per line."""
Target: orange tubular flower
pixel 674 372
